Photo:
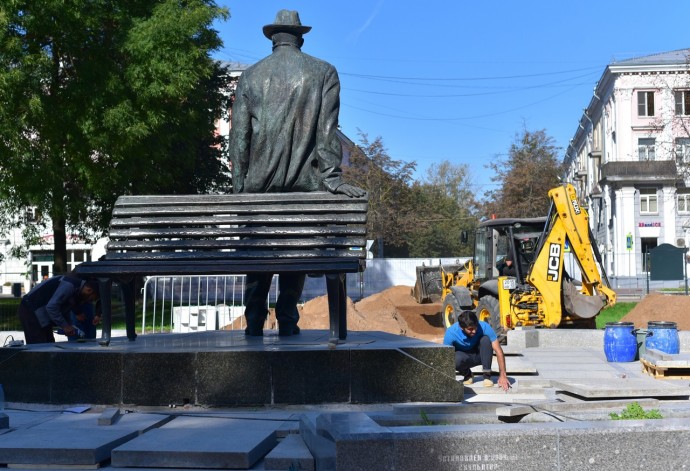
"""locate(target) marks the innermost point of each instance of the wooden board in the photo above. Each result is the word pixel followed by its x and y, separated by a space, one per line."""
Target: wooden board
pixel 665 372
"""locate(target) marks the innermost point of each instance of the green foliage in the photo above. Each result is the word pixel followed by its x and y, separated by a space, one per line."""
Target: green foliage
pixel 100 101
pixel 531 169
pixel 634 411
pixel 444 207
pixel 416 219
pixel 613 314
pixel 437 223
pixel 388 183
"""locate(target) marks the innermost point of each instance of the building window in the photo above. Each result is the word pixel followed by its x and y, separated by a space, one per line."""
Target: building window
pixel 645 103
pixel 683 202
pixel 30 215
pixel 683 149
pixel 682 102
pixel 645 148
pixel 648 201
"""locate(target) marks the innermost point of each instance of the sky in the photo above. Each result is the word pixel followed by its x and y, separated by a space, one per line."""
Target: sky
pixel 457 80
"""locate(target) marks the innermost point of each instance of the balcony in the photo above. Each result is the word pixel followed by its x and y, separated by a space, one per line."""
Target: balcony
pixel 656 171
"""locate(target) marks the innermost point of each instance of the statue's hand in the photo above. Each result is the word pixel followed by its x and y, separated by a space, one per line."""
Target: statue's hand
pixel 350 190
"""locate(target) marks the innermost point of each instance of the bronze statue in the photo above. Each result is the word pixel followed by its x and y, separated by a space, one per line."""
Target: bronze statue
pixel 283 139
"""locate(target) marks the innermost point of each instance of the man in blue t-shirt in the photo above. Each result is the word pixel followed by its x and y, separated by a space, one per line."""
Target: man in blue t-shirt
pixel 475 342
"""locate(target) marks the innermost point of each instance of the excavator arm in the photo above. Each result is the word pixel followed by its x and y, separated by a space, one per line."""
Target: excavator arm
pixel 568 222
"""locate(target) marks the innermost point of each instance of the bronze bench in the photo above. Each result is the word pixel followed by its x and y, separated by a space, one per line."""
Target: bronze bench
pixel 316 233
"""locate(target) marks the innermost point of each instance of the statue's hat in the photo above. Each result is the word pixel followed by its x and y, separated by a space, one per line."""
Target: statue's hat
pixel 286 21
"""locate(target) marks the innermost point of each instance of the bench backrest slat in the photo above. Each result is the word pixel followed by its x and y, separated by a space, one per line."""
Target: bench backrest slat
pixel 239 255
pixel 213 231
pixel 240 198
pixel 268 219
pixel 235 208
pixel 245 244
pixel 238 227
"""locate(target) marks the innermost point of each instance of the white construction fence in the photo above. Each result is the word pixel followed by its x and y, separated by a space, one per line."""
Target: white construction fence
pixel 200 303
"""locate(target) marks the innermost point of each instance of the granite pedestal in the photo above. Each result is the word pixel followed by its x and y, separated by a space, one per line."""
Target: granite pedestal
pixel 225 368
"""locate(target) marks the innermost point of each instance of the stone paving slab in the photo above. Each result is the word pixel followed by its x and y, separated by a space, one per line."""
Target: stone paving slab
pixel 621 387
pixel 23 419
pixel 193 442
pixel 514 365
pixel 564 355
pixel 291 453
pixel 663 359
pixel 70 440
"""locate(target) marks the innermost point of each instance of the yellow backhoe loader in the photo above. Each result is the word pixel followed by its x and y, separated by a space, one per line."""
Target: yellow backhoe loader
pixel 538 290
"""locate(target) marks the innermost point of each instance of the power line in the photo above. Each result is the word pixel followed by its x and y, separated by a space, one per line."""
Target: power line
pixel 559 83
pixel 417 118
pixel 466 79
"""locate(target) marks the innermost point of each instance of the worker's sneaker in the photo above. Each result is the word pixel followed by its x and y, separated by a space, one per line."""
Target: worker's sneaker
pixel 488 383
pixel 467 380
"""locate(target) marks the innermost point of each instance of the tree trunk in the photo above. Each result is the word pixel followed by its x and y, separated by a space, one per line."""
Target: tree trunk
pixel 59 246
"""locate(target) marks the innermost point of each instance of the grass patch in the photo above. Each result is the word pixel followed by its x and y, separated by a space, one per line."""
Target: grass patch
pixel 118 317
pixel 613 314
pixel 8 314
pixel 634 411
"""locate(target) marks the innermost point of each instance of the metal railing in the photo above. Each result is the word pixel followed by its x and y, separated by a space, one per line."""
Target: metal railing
pixel 194 303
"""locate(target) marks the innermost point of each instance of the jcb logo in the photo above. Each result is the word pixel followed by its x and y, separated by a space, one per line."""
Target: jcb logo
pixel 554 262
pixel 576 206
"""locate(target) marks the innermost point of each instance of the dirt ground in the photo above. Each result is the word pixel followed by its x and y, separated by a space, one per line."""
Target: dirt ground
pixel 661 307
pixel 396 311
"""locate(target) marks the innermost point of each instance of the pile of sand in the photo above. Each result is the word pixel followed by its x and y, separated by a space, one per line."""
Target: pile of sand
pixel 393 310
pixel 661 307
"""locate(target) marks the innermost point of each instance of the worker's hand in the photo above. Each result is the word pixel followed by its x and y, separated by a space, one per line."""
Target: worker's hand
pixel 69 330
pixel 504 383
pixel 81 317
pixel 96 320
pixel 350 190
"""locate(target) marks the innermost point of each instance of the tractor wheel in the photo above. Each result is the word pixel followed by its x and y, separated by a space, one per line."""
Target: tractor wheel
pixel 451 309
pixel 487 311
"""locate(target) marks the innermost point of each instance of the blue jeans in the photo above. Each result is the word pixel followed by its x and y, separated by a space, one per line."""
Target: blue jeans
pixel 481 354
pixel 86 325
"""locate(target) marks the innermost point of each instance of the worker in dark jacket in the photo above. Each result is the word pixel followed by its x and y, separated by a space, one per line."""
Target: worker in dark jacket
pixel 283 139
pixel 49 305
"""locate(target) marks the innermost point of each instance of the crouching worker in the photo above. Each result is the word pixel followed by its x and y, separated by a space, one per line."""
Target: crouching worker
pixel 475 342
pixel 49 304
pixel 85 319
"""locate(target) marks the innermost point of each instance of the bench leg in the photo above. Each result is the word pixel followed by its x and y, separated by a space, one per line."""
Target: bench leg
pixel 130 315
pixel 337 307
pixel 105 288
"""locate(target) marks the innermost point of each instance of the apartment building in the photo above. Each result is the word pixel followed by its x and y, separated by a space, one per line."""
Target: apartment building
pixel 629 157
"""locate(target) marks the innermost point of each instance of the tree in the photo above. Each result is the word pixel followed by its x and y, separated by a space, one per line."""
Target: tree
pixel 387 181
pixel 444 208
pixel 104 98
pixel 454 180
pixel 525 177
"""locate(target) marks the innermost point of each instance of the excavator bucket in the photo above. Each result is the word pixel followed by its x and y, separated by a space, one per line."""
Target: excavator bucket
pixel 581 305
pixel 428 285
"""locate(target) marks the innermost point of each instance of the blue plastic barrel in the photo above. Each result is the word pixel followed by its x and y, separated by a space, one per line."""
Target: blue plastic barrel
pixel 620 341
pixel 663 337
